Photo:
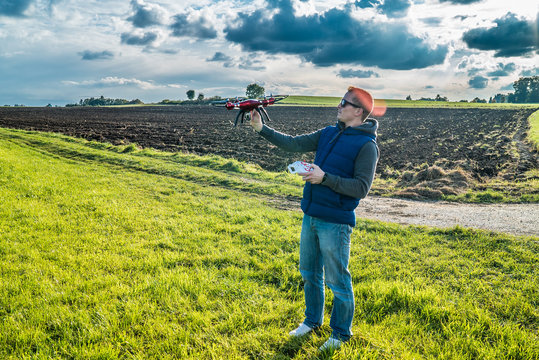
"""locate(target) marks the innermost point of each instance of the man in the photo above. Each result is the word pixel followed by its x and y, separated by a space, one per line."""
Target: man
pixel 341 175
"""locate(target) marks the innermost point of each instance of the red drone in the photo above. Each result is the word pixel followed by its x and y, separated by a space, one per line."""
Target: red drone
pixel 248 105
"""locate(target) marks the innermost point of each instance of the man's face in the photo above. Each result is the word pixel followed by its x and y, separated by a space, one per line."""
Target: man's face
pixel 348 113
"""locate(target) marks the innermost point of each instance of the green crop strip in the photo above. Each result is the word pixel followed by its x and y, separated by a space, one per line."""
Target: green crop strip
pixel 533 133
pixel 325 101
pixel 115 253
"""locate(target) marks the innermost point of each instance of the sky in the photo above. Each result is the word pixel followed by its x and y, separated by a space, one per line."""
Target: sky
pixel 60 51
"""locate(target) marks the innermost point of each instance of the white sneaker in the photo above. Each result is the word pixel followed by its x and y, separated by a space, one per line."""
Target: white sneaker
pixel 301 330
pixel 331 344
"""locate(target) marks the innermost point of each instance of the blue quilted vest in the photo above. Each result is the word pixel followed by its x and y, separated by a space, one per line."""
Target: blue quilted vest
pixel 336 153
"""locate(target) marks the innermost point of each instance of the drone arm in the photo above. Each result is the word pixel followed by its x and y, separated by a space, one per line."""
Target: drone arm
pixel 240 113
pixel 263 114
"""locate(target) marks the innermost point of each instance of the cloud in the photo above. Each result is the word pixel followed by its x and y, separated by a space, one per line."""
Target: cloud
pixel 395 8
pixel 503 70
pixel 429 87
pixel 474 71
pixel 530 72
pixel 193 26
pixel 135 39
pixel 219 56
pixel 508 87
pixel 350 73
pixel 96 55
pixel 222 57
pixel 247 63
pixel 391 8
pixel 110 81
pixel 478 82
pixel 14 7
pixel 510 37
pixel 146 14
pixel 433 21
pixel 333 37
pixel 363 4
pixel 461 2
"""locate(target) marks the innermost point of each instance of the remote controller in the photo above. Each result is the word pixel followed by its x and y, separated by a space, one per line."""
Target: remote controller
pixel 299 167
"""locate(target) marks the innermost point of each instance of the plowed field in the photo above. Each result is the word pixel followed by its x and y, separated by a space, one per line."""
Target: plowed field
pixel 481 143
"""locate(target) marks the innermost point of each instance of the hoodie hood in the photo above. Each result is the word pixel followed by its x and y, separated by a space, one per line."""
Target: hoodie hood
pixel 370 126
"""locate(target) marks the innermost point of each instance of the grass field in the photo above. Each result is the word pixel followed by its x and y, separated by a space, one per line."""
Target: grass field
pixel 533 134
pixel 119 253
pixel 333 101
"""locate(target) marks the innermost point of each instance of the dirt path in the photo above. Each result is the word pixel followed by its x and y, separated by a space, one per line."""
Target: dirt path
pixel 518 219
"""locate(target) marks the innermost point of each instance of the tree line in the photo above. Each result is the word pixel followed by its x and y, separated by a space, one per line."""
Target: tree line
pixel 526 91
pixel 252 91
pixel 103 101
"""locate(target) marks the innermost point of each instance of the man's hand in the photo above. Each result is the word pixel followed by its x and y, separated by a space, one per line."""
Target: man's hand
pixel 256 121
pixel 315 176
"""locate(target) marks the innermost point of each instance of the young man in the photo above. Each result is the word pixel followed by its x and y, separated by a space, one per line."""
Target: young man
pixel 341 175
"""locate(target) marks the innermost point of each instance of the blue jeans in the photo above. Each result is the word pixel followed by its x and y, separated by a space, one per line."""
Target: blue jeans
pixel 325 248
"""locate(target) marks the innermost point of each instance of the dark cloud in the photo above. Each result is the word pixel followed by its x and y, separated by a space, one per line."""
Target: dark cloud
pixel 145 14
pixel 96 55
pixel 429 87
pixel 392 8
pixel 395 8
pixel 510 37
pixel 350 73
pixel 14 7
pixel 219 56
pixel 462 2
pixel 503 70
pixel 200 28
pixel 333 37
pixel 134 39
pixel 366 3
pixel 478 82
pixel 222 57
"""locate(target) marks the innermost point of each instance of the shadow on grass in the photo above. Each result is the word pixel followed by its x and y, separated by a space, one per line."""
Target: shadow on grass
pixel 305 347
pixel 292 347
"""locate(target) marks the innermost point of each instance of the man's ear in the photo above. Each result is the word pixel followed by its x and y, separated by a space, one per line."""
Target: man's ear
pixel 359 112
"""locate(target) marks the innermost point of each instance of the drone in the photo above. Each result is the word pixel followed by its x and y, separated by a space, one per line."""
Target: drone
pixel 247 105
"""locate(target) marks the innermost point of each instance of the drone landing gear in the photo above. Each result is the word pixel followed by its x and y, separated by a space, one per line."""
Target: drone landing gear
pixel 241 115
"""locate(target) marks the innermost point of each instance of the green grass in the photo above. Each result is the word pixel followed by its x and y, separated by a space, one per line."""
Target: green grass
pixel 119 253
pixel 533 133
pixel 333 101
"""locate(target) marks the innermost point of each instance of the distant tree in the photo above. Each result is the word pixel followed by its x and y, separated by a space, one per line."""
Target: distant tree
pixel 190 94
pixel 533 95
pixel 409 97
pixel 103 101
pixel 200 97
pixel 500 98
pixel 526 90
pixel 440 98
pixel 478 100
pixel 254 91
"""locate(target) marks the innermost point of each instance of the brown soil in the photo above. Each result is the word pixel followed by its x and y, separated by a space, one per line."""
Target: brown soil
pixel 429 151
